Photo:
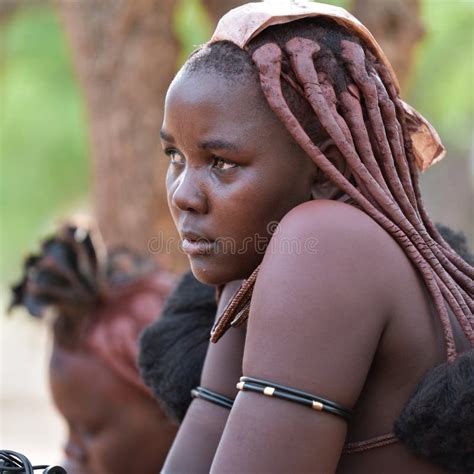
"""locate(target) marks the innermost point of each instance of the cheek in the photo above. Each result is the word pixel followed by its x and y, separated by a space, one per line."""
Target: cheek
pixel 135 444
pixel 264 198
pixel 109 453
pixel 171 184
pixel 287 186
pixel 233 205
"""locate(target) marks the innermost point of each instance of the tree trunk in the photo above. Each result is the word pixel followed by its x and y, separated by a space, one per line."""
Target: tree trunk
pixel 125 55
pixel 217 8
pixel 397 27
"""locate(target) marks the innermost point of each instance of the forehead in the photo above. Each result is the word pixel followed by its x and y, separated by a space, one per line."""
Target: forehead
pixel 192 84
pixel 208 99
pixel 71 373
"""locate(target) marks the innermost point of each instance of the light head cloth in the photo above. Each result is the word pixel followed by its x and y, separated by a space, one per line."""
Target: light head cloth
pixel 244 23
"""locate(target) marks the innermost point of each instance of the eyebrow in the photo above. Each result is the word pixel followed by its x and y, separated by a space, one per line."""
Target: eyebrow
pixel 166 136
pixel 212 144
pixel 217 144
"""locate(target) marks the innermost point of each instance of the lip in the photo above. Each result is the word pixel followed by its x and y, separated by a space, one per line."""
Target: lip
pixel 193 243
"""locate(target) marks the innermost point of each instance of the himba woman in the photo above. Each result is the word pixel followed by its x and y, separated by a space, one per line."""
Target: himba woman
pixel 98 302
pixel 294 166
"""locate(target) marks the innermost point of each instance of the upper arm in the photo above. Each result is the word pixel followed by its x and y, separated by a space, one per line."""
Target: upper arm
pixel 318 311
pixel 199 434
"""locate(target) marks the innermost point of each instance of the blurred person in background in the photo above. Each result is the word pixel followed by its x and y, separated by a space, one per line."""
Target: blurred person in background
pixel 98 303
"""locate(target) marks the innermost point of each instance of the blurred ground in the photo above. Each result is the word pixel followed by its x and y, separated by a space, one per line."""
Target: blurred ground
pixel 28 421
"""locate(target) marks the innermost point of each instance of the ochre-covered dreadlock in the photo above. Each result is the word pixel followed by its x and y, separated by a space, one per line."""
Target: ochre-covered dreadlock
pixel 356 104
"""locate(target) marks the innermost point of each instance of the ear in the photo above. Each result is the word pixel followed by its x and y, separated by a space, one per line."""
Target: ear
pixel 323 187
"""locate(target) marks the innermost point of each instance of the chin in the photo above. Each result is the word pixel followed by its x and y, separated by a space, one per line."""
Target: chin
pixel 216 273
pixel 207 274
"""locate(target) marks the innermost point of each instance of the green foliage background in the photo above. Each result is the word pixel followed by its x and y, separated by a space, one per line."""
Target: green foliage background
pixel 42 132
pixel 43 138
pixel 443 84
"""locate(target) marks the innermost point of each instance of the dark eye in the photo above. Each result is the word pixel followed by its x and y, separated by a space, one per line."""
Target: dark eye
pixel 175 157
pixel 222 164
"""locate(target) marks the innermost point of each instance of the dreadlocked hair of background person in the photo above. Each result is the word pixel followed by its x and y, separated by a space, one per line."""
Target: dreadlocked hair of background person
pixel 72 275
pixel 323 83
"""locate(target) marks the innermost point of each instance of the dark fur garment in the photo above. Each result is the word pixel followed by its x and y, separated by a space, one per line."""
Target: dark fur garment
pixel 438 420
pixel 457 241
pixel 172 350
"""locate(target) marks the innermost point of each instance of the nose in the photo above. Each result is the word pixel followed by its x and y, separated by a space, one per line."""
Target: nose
pixel 188 193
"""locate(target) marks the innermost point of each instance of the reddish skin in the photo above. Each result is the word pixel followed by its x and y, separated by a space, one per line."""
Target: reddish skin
pixel 200 194
pixel 352 322
pixel 113 429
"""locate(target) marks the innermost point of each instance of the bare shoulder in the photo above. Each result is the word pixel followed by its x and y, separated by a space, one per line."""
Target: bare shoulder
pixel 318 312
pixel 336 220
pixel 321 301
pixel 341 241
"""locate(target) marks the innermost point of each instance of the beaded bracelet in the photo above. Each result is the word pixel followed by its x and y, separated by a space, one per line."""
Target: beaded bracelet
pixel 272 389
pixel 213 397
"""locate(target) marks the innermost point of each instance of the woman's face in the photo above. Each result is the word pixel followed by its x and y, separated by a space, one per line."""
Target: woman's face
pixel 113 429
pixel 234 172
